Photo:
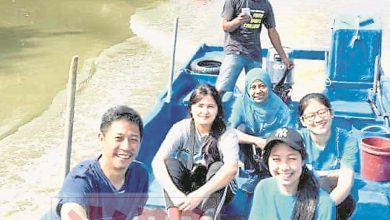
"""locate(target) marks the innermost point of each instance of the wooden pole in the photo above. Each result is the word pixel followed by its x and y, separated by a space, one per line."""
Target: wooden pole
pixel 172 71
pixel 70 111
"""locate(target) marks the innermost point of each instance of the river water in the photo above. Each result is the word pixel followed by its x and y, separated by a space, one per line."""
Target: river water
pixel 124 48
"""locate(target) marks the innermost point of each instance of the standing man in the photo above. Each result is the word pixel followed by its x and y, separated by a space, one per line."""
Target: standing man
pixel 242 23
pixel 114 185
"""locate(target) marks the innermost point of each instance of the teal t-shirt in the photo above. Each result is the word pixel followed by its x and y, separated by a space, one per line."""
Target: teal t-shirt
pixel 270 203
pixel 340 151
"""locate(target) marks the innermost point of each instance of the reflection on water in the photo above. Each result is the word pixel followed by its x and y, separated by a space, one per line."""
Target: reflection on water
pixel 38 39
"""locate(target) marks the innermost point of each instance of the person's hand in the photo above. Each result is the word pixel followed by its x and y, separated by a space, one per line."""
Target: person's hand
pixel 260 142
pixel 192 201
pixel 289 63
pixel 243 18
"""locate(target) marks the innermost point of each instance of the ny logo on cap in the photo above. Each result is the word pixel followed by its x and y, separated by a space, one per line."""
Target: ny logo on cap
pixel 281 132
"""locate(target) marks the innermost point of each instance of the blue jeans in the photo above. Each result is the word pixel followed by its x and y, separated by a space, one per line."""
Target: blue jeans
pixel 231 68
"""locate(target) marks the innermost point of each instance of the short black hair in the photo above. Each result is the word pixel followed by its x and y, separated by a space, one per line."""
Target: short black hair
pixel 120 112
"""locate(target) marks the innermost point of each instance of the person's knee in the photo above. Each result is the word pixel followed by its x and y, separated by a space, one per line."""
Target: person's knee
pixel 172 162
pixel 216 165
pixel 179 174
pixel 213 169
pixel 174 167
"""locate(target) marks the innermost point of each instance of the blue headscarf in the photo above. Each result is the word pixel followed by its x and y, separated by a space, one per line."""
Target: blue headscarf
pixel 262 118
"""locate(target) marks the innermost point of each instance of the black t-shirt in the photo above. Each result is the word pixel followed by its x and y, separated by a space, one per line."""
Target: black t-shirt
pixel 246 38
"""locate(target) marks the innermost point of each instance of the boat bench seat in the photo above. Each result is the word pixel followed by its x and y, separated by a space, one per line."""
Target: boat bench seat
pixel 360 109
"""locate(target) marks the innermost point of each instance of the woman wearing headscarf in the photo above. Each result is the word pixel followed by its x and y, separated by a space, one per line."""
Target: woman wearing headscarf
pixel 255 115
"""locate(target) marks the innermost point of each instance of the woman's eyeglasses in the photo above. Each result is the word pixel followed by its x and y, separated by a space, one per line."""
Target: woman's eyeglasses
pixel 311 116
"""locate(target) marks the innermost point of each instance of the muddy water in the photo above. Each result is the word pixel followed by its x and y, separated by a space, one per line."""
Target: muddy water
pixel 122 63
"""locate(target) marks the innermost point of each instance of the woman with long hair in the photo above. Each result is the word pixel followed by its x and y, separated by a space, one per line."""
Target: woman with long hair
pixel 198 160
pixel 292 192
pixel 332 151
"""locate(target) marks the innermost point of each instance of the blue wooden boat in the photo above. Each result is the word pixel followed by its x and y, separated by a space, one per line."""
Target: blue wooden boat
pixel 355 84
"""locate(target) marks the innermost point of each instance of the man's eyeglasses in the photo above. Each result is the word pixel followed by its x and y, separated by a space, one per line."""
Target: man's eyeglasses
pixel 311 116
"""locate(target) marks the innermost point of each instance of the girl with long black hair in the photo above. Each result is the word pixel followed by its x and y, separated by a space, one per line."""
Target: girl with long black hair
pixel 198 160
pixel 292 192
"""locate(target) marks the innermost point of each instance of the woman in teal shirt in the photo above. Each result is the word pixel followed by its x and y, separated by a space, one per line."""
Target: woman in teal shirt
pixel 255 116
pixel 332 151
pixel 292 192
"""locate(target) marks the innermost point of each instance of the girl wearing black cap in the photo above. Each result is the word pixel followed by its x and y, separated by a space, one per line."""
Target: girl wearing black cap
pixel 292 192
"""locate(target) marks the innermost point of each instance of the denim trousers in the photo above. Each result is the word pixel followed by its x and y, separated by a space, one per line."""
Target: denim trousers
pixel 231 68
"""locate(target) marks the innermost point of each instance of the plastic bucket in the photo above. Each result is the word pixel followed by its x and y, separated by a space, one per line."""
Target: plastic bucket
pixel 375 158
